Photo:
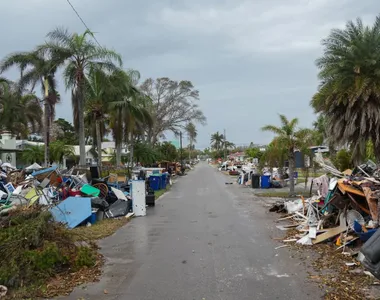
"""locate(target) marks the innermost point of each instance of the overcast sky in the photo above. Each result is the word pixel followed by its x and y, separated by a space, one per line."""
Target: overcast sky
pixel 250 60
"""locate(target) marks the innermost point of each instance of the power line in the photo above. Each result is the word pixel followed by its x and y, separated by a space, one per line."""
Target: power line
pixel 84 23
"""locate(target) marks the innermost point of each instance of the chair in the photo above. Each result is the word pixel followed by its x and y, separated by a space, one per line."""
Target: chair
pixel 103 189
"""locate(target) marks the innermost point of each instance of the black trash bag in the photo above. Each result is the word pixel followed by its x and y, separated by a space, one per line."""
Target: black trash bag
pixel 371 248
pixel 118 209
pixel 111 198
pixel 373 268
pixel 99 203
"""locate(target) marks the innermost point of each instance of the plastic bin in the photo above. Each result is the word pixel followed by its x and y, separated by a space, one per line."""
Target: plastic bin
pixel 155 182
pixel 164 177
pixel 255 181
pixel 265 181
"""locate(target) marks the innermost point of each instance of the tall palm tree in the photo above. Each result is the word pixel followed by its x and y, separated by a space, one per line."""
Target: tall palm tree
pixel 127 109
pixel 97 105
pixel 38 68
pixel 292 138
pixel 192 133
pixel 80 54
pixel 349 93
pixel 217 140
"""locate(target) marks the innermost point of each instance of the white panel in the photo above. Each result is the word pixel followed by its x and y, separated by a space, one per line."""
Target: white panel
pixel 138 197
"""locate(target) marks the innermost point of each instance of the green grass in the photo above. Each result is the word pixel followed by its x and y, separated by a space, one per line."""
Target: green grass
pixel 159 193
pixel 99 230
pixel 284 194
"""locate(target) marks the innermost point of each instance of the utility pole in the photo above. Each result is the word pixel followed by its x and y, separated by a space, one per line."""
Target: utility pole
pixel 225 146
pixel 180 149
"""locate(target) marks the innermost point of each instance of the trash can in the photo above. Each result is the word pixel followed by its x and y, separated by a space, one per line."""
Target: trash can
pixel 255 181
pixel 163 180
pixel 265 181
pixel 154 182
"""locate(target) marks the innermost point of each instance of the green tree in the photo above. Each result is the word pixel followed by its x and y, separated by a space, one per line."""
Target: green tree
pixel 349 93
pixel 97 105
pixel 37 68
pixel 291 138
pixel 343 160
pixel 274 155
pixel 319 131
pixel 59 150
pixel 80 54
pixel 21 112
pixel 217 140
pixel 173 104
pixel 254 153
pixel 128 109
pixel 33 154
pixel 65 131
pixel 168 151
pixel 145 153
pixel 192 133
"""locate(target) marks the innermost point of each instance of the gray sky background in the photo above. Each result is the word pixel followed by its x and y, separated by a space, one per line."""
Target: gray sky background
pixel 250 60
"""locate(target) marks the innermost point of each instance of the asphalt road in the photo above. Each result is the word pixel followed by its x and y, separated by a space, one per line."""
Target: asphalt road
pixel 204 240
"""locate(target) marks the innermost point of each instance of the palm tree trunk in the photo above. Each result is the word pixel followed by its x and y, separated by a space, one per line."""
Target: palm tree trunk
pixel 118 154
pixel 191 142
pixel 291 171
pixel 47 123
pixel 131 143
pixel 82 148
pixel 99 144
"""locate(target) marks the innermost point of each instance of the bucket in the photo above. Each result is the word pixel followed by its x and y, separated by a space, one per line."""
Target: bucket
pixel 99 215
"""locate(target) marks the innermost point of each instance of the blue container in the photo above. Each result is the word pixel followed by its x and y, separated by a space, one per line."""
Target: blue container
pixel 92 219
pixel 164 177
pixel 155 182
pixel 265 181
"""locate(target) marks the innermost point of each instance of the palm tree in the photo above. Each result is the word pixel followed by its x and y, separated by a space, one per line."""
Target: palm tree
pixel 59 150
pixel 228 145
pixel 292 139
pixel 349 93
pixel 33 154
pixel 97 105
pixel 128 109
pixel 37 68
pixel 80 54
pixel 21 112
pixel 192 135
pixel 217 140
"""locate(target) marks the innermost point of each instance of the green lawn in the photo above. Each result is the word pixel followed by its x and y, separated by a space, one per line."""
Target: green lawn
pixel 282 194
pixel 159 193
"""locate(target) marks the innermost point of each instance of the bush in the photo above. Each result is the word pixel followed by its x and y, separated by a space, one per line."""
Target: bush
pixel 33 248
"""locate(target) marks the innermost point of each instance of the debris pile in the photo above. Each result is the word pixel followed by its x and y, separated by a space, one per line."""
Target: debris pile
pixel 344 212
pixel 73 197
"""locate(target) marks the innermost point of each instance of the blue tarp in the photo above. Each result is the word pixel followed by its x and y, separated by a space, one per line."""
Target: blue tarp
pixel 72 211
pixel 48 170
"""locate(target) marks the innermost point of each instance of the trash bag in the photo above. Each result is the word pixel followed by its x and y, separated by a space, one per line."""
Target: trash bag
pixel 102 204
pixel 371 248
pixel 117 209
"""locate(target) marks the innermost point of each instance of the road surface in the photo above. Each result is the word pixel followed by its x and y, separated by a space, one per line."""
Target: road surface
pixel 204 240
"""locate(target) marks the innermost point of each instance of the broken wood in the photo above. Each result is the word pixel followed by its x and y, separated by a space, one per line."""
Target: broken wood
pixel 332 231
pixel 282 246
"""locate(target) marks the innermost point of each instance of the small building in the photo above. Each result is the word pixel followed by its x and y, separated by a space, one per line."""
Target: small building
pixel 8 148
pixel 237 156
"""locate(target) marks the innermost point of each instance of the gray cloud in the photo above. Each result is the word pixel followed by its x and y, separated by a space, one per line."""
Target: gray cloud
pixel 250 59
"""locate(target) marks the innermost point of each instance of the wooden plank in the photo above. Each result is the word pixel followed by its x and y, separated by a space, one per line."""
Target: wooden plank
pixel 285 218
pixel 361 206
pixel 344 188
pixel 329 234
